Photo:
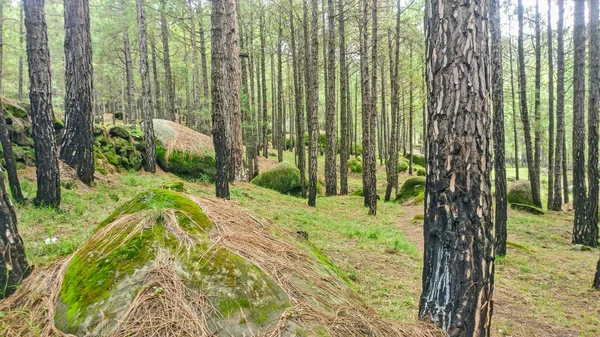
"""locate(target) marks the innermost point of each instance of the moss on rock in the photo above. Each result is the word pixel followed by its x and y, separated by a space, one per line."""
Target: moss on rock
pixel 420 170
pixel 355 165
pixel 418 159
pixel 519 192
pixel 186 165
pixel 413 188
pixel 402 166
pixel 283 178
pixel 119 132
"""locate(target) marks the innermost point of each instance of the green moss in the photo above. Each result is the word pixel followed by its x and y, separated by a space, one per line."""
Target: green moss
pixel 519 192
pixel 421 172
pixel 411 188
pixel 177 186
pixel 417 159
pixel 527 208
pixel 119 132
pixel 283 178
pixel 25 155
pixel 11 107
pixel 402 166
pixel 355 165
pixel 186 165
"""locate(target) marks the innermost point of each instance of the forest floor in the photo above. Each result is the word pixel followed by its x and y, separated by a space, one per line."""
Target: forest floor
pixel 543 285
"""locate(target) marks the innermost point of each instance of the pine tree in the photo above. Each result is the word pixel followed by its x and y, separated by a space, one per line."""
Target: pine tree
pixel 594 88
pixel 560 155
pixel 330 113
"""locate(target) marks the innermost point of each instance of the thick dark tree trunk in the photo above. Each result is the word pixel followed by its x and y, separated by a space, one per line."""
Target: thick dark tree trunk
pixel 13 267
pixel 531 165
pixel 129 115
pixel 345 118
pixel 594 83
pixel 77 146
pixel 537 146
pixel 560 110
pixel 564 171
pixel 550 110
pixel 597 277
pixel 224 84
pixel 330 114
pixel 583 233
pixel 392 160
pixel 498 107
pixel 40 96
pixel 150 147
pixel 300 150
pixel 458 274
pixel 312 105
pixel 170 94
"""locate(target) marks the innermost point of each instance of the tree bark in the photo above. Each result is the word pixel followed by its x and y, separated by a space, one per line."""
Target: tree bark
pixel 300 150
pixel 280 107
pixel 130 114
pixel 410 119
pixel 170 94
pixel 158 112
pixel 531 165
pixel 238 171
pixel 196 108
pixel 392 162
pixel 265 142
pixel 498 107
pixel 21 34
pixel 313 105
pixel 550 110
pixel 203 61
pixel 77 146
pixel 560 109
pixel 365 99
pixel 330 113
pixel 537 148
pixel 514 106
pixel 150 146
pixel 14 267
pixel 596 284
pixel 40 96
pixel 582 231
pixel 594 83
pixel 345 117
pixel 458 275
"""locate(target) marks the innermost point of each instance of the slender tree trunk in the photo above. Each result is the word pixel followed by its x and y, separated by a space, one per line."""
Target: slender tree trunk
pixel 300 151
pixel 370 111
pixel 498 107
pixel 564 172
pixel 537 148
pixel 13 267
pixel 205 92
pixel 265 142
pixel 131 109
pixel 582 232
pixel 280 117
pixel 330 113
pixel 365 98
pixel 550 110
pixel 560 111
pixel 249 106
pixel 236 156
pixel 597 277
pixel 40 95
pixel 196 110
pixel 274 103
pixel 514 107
pixel 594 83
pixel 21 34
pixel 345 117
pixel 531 165
pixel 313 105
pixel 458 275
pixel 410 119
pixel 158 112
pixel 170 94
pixel 383 136
pixel 392 162
pixel 77 146
pixel 150 147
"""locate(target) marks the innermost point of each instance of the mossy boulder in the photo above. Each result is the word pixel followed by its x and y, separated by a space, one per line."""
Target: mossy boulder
pixel 527 208
pixel 355 165
pixel 519 192
pixel 420 170
pixel 402 166
pixel 13 108
pixel 417 159
pixel 283 178
pixel 412 189
pixel 183 151
pixel 119 132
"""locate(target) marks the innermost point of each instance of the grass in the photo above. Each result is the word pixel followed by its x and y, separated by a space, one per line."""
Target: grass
pixel 543 286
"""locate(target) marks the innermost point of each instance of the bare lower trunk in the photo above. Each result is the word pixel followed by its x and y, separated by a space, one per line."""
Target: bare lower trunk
pixel 550 110
pixel 313 106
pixel 344 106
pixel 392 160
pixel 170 94
pixel 300 149
pixel 330 116
pixel 560 111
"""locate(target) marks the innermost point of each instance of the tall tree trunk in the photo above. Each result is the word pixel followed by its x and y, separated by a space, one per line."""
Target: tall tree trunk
pixel 196 108
pixel 312 105
pixel 251 108
pixel 21 34
pixel 458 275
pixel 582 232
pixel 498 107
pixel 225 83
pixel 274 104
pixel 383 136
pixel 537 148
pixel 129 71
pixel 392 161
pixel 265 142
pixel 564 171
pixel 158 112
pixel 410 119
pixel 77 146
pixel 40 96
pixel 365 99
pixel 597 277
pixel 345 117
pixel 236 156
pixel 300 150
pixel 205 92
pixel 594 83
pixel 330 113
pixel 170 94
pixel 13 267
pixel 531 165
pixel 370 108
pixel 280 108
pixel 560 110
pixel 550 110
pixel 514 106
pixel 150 147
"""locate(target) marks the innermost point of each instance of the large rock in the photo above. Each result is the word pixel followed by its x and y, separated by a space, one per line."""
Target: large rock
pixel 171 264
pixel 116 151
pixel 519 192
pixel 418 159
pixel 183 151
pixel 283 178
pixel 413 190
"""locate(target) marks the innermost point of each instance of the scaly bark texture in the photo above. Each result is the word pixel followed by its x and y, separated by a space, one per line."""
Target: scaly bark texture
pixel 371 161
pixel 366 104
pixel 550 110
pixel 594 81
pixel 345 118
pixel 458 274
pixel 170 88
pixel 236 156
pixel 330 115
pixel 40 96
pixel 498 105
pixel 299 104
pixel 77 146
pixel 582 231
pixel 531 165
pixel 313 105
pixel 13 267
pixel 150 146
pixel 392 160
pixel 560 110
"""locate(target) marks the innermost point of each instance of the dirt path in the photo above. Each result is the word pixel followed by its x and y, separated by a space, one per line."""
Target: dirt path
pixel 510 307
